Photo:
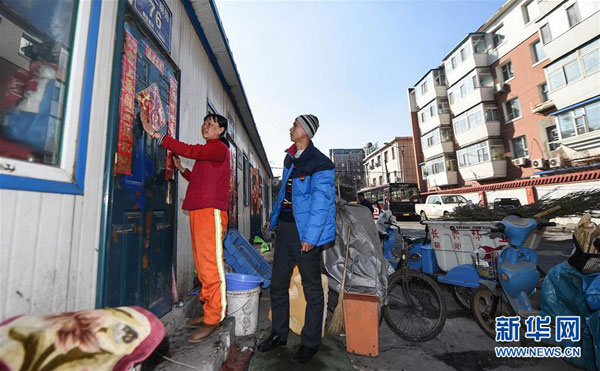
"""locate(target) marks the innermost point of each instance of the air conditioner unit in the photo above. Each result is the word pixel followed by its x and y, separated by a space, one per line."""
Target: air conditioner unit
pixel 521 161
pixel 555 162
pixel 499 88
pixel 539 163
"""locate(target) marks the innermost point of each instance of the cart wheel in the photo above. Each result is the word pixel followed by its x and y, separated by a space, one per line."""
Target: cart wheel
pixel 416 310
pixel 423 215
pixel 485 307
pixel 462 296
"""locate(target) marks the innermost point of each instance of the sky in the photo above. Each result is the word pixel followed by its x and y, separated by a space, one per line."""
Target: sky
pixel 350 63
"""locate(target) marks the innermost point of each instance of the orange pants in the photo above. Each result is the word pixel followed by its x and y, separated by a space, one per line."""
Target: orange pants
pixel 208 231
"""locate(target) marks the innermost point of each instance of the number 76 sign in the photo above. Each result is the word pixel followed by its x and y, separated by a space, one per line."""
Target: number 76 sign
pixel 158 17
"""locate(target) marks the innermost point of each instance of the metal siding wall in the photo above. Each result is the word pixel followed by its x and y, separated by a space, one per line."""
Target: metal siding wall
pixel 189 55
pixel 199 82
pixel 48 256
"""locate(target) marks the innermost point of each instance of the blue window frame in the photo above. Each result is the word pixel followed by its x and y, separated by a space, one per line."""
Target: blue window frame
pixel 69 177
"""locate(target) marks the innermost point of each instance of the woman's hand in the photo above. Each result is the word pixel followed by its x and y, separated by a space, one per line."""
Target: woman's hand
pixel 148 127
pixel 177 163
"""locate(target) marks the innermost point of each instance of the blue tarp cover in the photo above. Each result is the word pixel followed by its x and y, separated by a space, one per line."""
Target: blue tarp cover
pixel 563 295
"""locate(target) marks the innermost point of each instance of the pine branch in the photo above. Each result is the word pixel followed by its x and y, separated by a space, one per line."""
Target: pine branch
pixel 571 204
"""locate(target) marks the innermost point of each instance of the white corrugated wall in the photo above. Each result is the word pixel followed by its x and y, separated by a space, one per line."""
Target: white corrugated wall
pixel 49 242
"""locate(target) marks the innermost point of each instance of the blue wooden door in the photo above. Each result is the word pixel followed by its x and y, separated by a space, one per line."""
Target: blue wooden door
pixel 140 241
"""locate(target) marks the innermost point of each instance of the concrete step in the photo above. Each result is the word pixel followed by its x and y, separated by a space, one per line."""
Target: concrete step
pixel 208 355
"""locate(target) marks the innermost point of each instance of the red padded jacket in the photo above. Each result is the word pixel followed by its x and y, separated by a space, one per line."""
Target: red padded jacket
pixel 210 177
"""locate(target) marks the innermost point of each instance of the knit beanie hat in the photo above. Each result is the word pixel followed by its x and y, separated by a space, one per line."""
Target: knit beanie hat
pixel 310 124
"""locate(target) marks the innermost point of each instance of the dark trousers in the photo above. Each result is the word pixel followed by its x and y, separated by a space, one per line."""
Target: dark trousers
pixel 287 253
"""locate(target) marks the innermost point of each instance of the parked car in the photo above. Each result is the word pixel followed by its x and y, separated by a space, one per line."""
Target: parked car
pixel 506 203
pixel 437 206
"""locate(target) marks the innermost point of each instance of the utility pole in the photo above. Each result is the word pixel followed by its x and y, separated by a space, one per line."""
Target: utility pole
pixel 387 173
pixel 402 169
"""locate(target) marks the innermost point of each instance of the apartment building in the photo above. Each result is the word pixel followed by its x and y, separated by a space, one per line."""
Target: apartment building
pixel 394 162
pixel 348 165
pixel 486 114
pixel 570 33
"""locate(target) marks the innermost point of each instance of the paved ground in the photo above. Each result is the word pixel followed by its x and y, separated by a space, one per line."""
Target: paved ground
pixel 461 345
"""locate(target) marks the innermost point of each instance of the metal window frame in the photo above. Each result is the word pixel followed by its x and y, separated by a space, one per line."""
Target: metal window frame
pixel 76 185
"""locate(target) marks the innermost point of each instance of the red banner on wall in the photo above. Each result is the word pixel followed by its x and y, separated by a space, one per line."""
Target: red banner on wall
pixel 171 126
pixel 126 107
pixel 232 212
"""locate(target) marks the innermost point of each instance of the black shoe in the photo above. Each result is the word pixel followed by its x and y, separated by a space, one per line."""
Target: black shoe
pixel 304 354
pixel 273 341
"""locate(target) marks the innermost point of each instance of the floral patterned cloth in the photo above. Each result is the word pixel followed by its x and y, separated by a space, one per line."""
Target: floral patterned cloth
pixel 101 339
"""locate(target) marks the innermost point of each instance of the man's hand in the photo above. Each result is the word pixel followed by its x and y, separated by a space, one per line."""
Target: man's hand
pixel 306 247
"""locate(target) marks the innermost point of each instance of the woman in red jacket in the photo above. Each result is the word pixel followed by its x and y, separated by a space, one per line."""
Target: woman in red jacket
pixel 207 200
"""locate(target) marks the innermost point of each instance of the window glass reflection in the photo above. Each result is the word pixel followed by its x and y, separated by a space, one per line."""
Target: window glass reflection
pixel 35 48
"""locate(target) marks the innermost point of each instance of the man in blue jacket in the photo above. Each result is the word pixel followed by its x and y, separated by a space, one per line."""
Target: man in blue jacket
pixel 304 216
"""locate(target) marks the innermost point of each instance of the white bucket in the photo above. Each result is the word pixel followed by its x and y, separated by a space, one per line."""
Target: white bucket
pixel 243 306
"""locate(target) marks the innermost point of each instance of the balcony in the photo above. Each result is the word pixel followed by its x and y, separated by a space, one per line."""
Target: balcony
pixel 442 179
pixel 483 160
pixel 470 63
pixel 485 170
pixel 564 43
pixel 578 91
pixel 438 149
pixel 468 55
pixel 434 122
pixel 478 95
pixel 435 80
pixel 477 133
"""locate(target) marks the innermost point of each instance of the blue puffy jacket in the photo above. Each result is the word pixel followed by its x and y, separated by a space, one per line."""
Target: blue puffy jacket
pixel 313 195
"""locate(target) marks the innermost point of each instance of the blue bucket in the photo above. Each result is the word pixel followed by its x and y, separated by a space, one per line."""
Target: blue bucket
pixel 241 282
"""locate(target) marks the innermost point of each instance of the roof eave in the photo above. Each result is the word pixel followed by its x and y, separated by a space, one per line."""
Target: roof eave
pixel 217 46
